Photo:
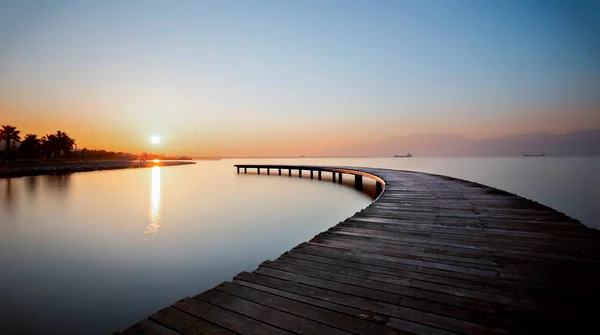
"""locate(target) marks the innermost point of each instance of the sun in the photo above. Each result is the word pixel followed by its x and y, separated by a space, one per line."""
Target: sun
pixel 155 139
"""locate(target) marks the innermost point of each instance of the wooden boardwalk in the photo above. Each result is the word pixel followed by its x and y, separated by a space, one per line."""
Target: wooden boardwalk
pixel 431 255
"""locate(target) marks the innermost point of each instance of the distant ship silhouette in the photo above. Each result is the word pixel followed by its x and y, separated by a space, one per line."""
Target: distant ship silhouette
pixel 407 155
pixel 534 155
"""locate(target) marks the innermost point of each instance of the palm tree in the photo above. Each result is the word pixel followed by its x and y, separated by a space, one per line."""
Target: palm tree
pixel 48 144
pixel 64 143
pixel 30 147
pixel 9 133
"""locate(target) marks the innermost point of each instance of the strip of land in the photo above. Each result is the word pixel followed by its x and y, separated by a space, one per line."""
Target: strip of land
pixel 29 168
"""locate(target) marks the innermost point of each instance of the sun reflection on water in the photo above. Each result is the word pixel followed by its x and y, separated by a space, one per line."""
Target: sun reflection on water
pixel 155 213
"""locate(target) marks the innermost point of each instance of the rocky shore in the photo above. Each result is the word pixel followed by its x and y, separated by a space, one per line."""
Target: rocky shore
pixel 20 169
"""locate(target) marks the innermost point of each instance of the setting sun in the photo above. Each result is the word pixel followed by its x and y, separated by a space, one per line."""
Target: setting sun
pixel 155 139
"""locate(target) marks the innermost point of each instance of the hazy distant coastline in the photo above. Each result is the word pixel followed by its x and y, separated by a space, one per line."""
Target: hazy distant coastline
pixel 578 143
pixel 21 169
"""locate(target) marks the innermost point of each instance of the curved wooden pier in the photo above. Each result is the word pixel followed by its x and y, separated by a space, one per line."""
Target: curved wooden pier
pixel 430 255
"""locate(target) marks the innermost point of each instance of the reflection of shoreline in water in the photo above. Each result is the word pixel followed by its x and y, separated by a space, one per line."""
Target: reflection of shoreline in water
pixel 58 182
pixel 31 185
pixel 8 195
pixel 155 213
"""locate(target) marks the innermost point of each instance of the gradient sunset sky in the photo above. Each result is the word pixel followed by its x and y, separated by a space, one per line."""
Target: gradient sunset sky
pixel 272 78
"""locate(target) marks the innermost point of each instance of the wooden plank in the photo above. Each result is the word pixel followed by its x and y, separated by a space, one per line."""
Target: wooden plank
pixel 331 285
pixel 410 228
pixel 397 251
pixel 406 257
pixel 325 316
pixel 472 246
pixel 385 262
pixel 431 320
pixel 265 314
pixel 459 312
pixel 332 299
pixel 360 313
pixel 224 318
pixel 483 256
pixel 415 328
pixel 417 262
pixel 373 286
pixel 186 324
pixel 147 327
pixel 504 237
pixel 415 278
pixel 410 273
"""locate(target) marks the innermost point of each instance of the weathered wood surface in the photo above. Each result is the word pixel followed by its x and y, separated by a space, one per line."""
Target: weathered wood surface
pixel 431 255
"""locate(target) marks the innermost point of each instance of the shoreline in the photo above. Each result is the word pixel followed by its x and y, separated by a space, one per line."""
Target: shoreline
pixel 26 169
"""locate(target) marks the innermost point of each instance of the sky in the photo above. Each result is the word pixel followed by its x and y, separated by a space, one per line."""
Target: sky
pixel 281 78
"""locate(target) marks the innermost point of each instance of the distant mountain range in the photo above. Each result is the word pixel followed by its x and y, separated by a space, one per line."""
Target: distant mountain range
pixel 579 143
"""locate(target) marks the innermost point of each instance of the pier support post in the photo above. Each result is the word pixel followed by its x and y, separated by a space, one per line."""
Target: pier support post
pixel 289 172
pixel 245 170
pixel 258 170
pixel 358 182
pixel 378 188
pixel 268 171
pixel 311 174
pixel 340 179
pixel 299 173
pixel 333 177
pixel 238 168
pixel 319 175
pixel 280 171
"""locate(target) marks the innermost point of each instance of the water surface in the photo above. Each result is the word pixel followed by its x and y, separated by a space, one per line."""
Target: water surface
pixel 93 252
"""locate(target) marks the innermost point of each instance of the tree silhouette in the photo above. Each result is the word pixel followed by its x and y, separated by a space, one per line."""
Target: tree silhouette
pixel 30 147
pixel 55 146
pixel 9 133
pixel 64 143
pixel 59 144
pixel 49 145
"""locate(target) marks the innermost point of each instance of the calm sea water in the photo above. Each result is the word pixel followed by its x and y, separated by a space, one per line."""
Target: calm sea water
pixel 94 252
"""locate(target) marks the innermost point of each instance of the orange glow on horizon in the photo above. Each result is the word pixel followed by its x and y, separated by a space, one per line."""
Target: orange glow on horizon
pixel 92 129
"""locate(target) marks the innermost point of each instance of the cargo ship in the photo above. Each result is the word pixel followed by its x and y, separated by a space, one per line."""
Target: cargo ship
pixel 534 155
pixel 407 155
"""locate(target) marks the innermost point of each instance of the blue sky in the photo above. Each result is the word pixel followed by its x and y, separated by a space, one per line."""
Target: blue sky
pixel 265 69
